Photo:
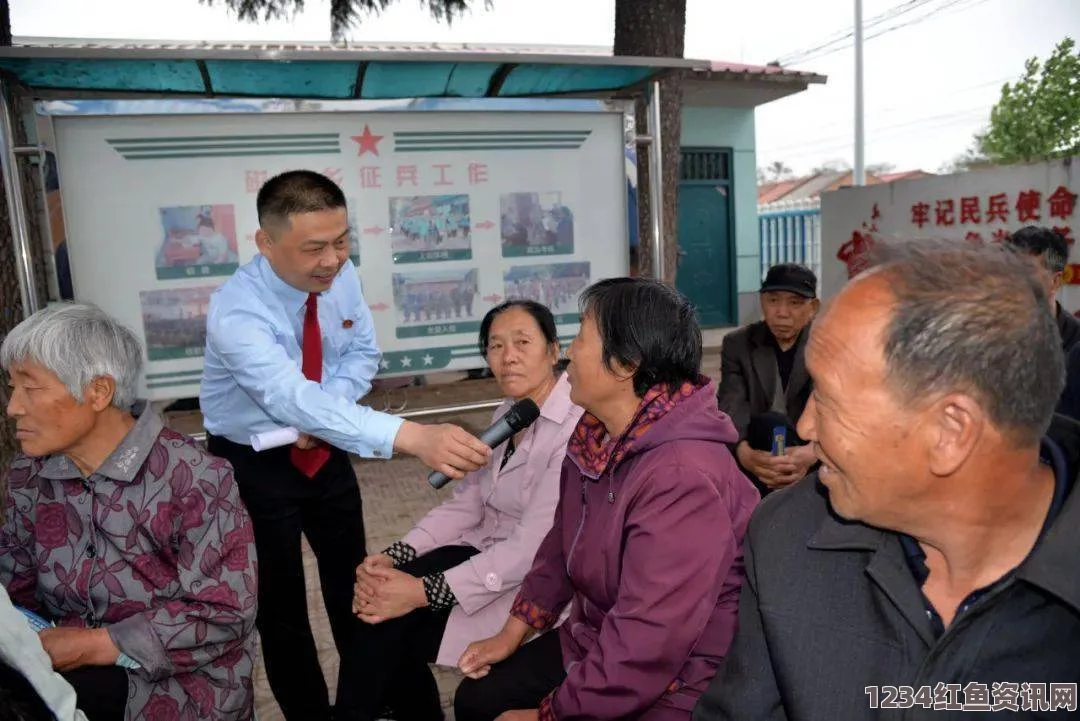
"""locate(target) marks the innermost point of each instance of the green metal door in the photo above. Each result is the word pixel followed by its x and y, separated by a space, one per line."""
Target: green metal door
pixel 706 267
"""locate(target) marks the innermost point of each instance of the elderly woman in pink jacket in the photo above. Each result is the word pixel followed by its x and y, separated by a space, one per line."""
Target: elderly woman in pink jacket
pixel 452 579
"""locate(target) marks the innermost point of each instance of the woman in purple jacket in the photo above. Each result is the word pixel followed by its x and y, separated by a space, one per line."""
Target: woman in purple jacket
pixel 646 539
pixel 452 578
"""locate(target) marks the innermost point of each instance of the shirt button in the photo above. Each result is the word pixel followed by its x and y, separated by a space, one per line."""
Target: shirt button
pixel 492 581
pixel 91 552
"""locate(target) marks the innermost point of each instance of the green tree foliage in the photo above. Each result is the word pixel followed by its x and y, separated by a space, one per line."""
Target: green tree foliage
pixel 1038 116
pixel 344 14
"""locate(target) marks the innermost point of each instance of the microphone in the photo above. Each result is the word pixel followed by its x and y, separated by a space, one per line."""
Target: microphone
pixel 520 416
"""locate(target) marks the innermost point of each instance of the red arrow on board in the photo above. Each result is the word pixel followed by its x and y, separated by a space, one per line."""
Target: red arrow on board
pixel 379 307
pixel 373 230
pixel 493 298
pixel 485 225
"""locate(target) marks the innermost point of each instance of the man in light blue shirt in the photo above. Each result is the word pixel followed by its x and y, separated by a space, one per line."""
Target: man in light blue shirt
pixel 290 343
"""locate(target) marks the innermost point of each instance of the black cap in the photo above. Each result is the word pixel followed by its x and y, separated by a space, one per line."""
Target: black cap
pixel 791 277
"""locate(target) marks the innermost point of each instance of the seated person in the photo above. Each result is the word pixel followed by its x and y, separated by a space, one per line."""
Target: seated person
pixel 935 551
pixel 646 542
pixel 125 533
pixel 29 688
pixel 1069 402
pixel 452 578
pixel 763 379
pixel 1049 254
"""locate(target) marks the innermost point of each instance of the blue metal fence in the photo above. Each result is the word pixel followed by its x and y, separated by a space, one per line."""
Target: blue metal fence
pixel 790 232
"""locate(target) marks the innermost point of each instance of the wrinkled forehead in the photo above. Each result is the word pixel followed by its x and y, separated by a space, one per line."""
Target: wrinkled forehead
pixel 29 369
pixel 848 336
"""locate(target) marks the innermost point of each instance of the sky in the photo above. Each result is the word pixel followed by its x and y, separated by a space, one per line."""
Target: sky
pixel 930 78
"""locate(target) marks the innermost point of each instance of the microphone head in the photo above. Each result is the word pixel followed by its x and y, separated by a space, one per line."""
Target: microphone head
pixel 522 414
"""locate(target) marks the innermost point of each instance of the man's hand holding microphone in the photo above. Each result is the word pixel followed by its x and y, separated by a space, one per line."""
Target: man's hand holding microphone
pixel 445 448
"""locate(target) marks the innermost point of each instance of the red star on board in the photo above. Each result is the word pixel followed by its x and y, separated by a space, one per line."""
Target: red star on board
pixel 368 141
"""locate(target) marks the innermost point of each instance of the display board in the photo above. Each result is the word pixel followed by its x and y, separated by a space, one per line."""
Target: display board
pixel 981 205
pixel 451 212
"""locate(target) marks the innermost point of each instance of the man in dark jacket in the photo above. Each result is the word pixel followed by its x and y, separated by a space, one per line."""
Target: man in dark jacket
pixel 1050 251
pixel 763 381
pixel 931 563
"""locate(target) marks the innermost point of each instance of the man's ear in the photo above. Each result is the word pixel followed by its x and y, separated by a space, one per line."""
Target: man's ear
pixel 954 425
pixel 263 241
pixel 1056 283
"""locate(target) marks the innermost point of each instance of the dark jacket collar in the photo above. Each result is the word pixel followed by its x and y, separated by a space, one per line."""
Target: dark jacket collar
pixel 1051 566
pixel 1068 327
pixel 763 355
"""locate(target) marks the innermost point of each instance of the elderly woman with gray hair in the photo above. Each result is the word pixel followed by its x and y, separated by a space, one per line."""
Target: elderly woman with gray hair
pixel 125 535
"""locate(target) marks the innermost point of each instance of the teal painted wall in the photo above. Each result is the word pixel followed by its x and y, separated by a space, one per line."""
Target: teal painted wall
pixel 733 128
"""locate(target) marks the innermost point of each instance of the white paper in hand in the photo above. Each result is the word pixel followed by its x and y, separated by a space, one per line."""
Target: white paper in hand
pixel 274 439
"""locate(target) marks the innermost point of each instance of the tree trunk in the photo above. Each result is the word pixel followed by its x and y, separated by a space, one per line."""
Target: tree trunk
pixel 657 28
pixel 11 310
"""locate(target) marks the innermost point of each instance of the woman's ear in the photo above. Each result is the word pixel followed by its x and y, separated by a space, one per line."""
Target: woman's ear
pixel 99 393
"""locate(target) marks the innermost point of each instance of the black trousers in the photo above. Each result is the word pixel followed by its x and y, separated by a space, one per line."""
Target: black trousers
pixel 520 682
pixel 389 666
pixel 101 692
pixel 326 509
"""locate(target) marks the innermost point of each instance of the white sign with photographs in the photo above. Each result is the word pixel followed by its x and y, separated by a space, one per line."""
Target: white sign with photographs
pixel 451 212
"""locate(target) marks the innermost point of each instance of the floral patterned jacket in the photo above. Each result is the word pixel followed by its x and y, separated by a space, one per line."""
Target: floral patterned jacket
pixel 155 546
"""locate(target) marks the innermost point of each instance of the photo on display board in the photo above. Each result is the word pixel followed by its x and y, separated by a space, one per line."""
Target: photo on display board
pixel 429 228
pixel 556 285
pixel 436 303
pixel 535 224
pixel 197 241
pixel 174 322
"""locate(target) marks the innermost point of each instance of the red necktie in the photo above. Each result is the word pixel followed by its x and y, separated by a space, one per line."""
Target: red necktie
pixel 309 461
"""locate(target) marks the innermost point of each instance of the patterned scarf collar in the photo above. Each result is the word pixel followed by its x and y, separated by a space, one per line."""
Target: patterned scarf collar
pixel 587 446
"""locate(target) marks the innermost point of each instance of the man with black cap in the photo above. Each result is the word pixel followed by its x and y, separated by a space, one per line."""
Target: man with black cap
pixel 764 385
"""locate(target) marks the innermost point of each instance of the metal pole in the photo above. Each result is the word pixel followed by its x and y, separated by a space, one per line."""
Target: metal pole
pixel 656 182
pixel 860 140
pixel 20 233
pixel 48 243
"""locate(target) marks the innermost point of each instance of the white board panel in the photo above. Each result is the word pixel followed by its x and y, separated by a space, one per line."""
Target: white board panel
pixel 452 212
pixel 984 205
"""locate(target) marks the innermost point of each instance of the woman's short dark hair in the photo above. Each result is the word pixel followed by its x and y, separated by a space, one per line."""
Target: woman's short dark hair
pixel 540 313
pixel 646 325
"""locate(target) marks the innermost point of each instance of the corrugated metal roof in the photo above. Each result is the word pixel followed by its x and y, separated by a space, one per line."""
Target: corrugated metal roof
pixel 327 47
pixel 568 51
pixel 772 72
pixel 58 67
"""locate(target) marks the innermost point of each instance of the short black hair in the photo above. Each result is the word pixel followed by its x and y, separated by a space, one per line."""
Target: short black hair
pixel 972 319
pixel 540 313
pixel 296 191
pixel 647 325
pixel 1042 242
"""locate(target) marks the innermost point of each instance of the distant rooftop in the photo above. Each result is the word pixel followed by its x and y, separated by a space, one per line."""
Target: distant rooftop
pixel 809 188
